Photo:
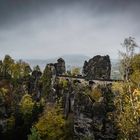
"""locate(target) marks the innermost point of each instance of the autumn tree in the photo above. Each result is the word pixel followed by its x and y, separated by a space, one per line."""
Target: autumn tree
pixel 26 104
pixel 127 114
pixel 127 94
pixel 51 124
pixel 34 135
pixel 7 65
pixel 135 70
pixel 75 71
pixel 24 115
pixel 129 44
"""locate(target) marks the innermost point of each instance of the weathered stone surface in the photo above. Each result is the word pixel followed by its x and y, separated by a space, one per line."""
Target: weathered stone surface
pixel 83 108
pixel 90 118
pixel 83 128
pixel 60 66
pixel 99 67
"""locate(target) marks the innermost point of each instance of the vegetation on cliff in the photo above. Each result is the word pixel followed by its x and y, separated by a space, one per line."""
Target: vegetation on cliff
pixel 49 105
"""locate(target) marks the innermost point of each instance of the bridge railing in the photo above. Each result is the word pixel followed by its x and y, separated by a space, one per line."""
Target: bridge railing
pixel 84 77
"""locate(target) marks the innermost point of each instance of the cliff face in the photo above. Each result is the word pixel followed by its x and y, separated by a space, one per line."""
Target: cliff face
pixel 91 117
pixel 60 66
pixel 99 67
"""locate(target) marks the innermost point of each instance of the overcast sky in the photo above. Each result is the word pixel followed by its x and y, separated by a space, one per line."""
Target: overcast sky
pixel 43 29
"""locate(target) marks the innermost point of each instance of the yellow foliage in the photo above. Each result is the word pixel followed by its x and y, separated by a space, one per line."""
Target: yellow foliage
pixel 63 83
pixel 26 104
pixel 10 123
pixel 51 124
pixel 127 103
pixel 75 71
pixel 135 77
pixel 3 91
pixel 117 86
pixel 96 94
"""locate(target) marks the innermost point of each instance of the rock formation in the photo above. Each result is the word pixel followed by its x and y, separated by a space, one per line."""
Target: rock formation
pixel 83 109
pixel 99 67
pixel 60 66
pixel 90 117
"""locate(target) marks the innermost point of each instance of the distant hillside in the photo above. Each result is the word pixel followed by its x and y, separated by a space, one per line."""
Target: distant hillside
pixel 75 60
pixel 70 60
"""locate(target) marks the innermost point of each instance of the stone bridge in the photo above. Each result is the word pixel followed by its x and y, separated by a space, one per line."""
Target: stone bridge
pixel 82 79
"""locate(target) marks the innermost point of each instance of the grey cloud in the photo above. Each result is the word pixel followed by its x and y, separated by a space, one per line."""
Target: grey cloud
pixel 51 28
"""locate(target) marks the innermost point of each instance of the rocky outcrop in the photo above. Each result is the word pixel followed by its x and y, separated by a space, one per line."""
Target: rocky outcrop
pixel 83 109
pixel 60 66
pixel 99 67
pixel 90 117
